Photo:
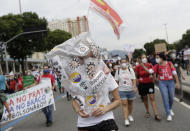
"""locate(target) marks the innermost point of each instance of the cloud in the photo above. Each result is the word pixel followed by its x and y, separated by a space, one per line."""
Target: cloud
pixel 144 19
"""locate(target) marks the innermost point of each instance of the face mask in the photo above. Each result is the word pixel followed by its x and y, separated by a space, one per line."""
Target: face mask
pixel 46 71
pixel 137 63
pixel 173 56
pixel 124 65
pixel 157 60
pixel 144 60
pixel 110 65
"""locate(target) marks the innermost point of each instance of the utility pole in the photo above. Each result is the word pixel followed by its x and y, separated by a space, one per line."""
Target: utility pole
pixel 11 39
pixel 20 7
pixel 166 30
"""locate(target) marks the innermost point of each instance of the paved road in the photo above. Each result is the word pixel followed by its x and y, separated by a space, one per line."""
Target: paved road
pixel 65 119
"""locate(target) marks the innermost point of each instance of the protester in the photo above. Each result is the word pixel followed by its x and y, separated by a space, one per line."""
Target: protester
pixel 110 66
pixel 4 103
pixel 146 84
pixel 2 83
pixel 49 109
pixel 19 82
pixel 186 55
pixel 178 65
pixel 166 74
pixel 126 79
pixel 11 83
pixel 101 118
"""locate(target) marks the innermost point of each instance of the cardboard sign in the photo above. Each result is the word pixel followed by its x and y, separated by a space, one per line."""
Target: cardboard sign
pixel 160 47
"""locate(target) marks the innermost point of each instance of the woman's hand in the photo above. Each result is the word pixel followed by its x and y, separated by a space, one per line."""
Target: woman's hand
pixel 135 89
pixel 177 85
pixel 99 111
pixel 83 114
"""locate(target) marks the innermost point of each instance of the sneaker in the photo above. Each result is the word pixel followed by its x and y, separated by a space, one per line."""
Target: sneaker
pixel 127 123
pixel 172 113
pixel 130 118
pixel 169 118
pixel 49 124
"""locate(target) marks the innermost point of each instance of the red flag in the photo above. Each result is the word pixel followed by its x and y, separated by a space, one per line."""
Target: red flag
pixel 109 13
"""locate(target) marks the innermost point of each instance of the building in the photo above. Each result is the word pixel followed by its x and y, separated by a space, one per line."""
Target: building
pixel 73 26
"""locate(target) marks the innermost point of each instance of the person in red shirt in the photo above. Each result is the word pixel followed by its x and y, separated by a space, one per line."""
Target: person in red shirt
pixel 49 109
pixel 145 77
pixel 11 84
pixel 166 73
pixel 19 83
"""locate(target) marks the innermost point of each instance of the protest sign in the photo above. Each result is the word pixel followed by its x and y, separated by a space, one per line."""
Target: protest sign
pixel 30 100
pixel 160 47
pixel 28 80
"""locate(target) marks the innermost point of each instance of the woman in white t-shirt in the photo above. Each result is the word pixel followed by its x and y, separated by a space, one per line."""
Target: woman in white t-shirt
pixel 101 118
pixel 126 79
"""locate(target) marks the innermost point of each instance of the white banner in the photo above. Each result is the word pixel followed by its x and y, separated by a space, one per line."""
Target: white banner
pixel 30 100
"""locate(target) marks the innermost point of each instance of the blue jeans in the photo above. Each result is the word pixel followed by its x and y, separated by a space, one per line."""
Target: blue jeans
pixel 167 89
pixel 48 113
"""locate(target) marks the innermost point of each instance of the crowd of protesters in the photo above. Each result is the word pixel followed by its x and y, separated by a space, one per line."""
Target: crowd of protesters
pixel 141 74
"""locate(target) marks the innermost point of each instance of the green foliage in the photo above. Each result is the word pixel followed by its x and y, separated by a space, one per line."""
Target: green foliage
pixel 185 39
pixel 56 37
pixel 150 46
pixel 137 53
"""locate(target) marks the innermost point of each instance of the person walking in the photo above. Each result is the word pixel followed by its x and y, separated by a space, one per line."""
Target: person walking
pixel 166 74
pixel 146 84
pixel 48 111
pixel 178 65
pixel 125 77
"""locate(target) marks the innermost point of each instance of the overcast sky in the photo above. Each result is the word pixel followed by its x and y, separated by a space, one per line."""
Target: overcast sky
pixel 144 19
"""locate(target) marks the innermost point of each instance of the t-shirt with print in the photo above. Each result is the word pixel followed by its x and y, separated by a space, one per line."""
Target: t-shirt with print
pixel 102 101
pixel 164 72
pixel 125 77
pixel 144 76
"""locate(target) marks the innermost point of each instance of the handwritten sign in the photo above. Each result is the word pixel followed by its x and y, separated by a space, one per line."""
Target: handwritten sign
pixel 160 47
pixel 28 80
pixel 30 100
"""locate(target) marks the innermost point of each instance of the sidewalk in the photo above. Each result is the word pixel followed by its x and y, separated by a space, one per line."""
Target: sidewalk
pixel 185 87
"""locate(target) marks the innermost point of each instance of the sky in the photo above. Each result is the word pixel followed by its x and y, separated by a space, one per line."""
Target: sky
pixel 143 19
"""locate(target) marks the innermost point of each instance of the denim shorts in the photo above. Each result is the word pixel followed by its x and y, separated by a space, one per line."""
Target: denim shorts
pixel 127 95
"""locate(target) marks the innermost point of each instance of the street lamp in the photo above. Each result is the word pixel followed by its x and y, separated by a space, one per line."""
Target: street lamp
pixel 14 37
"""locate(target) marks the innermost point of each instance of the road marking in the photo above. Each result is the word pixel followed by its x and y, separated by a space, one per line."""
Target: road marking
pixel 177 100
pixel 9 129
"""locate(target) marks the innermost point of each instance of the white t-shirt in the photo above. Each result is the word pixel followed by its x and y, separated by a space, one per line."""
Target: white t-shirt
pixel 125 77
pixel 102 101
pixel 186 54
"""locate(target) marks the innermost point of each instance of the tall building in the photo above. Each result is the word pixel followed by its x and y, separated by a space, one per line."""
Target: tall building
pixel 73 26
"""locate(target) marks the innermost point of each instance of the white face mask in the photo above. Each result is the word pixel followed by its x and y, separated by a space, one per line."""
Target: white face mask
pixel 124 65
pixel 137 63
pixel 157 60
pixel 110 65
pixel 173 56
pixel 144 60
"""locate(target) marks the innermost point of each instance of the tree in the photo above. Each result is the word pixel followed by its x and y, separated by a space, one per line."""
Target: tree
pixel 55 38
pixel 21 47
pixel 185 39
pixel 137 53
pixel 150 46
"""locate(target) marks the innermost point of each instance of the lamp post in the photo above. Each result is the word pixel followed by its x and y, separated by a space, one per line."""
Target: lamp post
pixel 14 37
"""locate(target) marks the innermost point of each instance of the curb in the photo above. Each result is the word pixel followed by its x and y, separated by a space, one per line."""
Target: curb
pixel 186 94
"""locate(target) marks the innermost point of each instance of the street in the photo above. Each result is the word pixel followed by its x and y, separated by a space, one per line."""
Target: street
pixel 65 119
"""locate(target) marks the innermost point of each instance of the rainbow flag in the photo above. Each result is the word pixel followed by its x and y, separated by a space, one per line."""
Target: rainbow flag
pixel 102 8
